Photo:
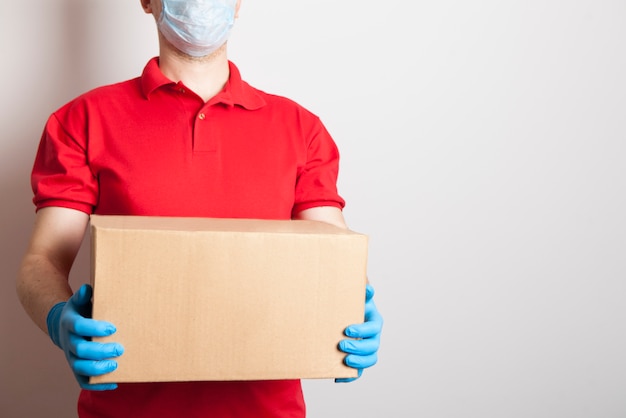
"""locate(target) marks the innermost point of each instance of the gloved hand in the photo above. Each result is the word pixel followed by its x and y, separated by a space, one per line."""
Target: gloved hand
pixel 362 347
pixel 70 328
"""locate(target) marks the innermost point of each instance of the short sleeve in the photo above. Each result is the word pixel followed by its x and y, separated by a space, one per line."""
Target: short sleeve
pixel 61 175
pixel 317 182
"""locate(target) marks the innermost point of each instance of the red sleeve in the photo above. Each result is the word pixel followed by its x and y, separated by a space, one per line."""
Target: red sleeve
pixel 61 175
pixel 317 182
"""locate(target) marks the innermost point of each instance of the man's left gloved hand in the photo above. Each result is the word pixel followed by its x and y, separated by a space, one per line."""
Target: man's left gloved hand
pixel 362 347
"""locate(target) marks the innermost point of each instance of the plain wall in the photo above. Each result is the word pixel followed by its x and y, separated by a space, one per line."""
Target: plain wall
pixel 483 151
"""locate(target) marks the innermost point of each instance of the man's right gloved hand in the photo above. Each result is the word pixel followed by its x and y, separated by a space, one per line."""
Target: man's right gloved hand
pixel 70 328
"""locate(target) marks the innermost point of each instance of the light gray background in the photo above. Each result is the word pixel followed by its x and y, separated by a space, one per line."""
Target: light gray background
pixel 483 148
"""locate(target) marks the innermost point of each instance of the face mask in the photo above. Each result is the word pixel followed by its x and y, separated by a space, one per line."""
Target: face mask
pixel 197 27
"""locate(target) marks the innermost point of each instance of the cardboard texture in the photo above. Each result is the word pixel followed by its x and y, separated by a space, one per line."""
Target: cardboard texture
pixel 226 299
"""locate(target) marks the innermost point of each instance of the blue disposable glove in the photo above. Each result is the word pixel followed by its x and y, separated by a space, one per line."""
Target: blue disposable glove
pixel 70 328
pixel 362 347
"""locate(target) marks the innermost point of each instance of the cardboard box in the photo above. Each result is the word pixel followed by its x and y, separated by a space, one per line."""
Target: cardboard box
pixel 226 299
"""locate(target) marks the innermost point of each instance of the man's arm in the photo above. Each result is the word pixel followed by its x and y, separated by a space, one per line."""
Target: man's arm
pixel 361 347
pixel 43 289
pixel 43 277
pixel 328 214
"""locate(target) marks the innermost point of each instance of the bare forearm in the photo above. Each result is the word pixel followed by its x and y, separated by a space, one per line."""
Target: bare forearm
pixel 328 214
pixel 42 279
pixel 40 285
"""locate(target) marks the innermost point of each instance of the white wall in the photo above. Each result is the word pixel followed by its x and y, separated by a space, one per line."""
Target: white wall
pixel 483 149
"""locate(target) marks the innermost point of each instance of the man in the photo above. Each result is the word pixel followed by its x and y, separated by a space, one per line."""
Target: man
pixel 187 138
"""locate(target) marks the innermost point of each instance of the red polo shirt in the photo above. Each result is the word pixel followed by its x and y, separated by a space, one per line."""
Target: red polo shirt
pixel 150 146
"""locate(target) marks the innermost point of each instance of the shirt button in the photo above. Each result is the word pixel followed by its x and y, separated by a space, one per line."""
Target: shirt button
pixel 201 116
pixel 182 90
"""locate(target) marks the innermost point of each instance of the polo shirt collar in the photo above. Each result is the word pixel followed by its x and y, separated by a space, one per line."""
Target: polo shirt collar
pixel 235 92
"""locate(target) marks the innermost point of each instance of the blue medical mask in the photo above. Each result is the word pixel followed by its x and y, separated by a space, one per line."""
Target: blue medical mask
pixel 197 27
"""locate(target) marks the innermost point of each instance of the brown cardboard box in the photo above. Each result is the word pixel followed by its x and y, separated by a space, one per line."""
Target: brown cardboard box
pixel 226 299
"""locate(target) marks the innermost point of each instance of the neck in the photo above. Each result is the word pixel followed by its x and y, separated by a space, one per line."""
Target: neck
pixel 206 76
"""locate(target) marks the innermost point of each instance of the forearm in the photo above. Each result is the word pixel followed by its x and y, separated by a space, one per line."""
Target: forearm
pixel 42 279
pixel 40 286
pixel 328 214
